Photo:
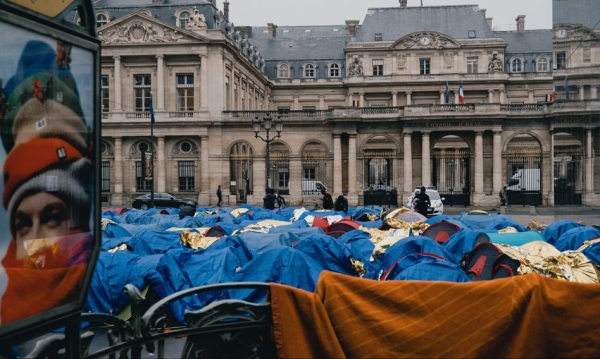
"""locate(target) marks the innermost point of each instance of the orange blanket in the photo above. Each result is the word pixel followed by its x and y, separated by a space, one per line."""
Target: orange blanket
pixel 526 316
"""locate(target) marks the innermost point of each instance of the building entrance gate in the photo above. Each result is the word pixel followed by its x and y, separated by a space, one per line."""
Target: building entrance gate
pixel 452 175
pixel 568 176
pixel 379 178
pixel 524 177
pixel 241 171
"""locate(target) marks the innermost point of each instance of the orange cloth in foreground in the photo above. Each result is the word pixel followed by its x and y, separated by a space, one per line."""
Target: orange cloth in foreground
pixel 525 316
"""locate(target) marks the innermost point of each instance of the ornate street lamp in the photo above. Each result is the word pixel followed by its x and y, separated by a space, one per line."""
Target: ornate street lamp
pixel 267 122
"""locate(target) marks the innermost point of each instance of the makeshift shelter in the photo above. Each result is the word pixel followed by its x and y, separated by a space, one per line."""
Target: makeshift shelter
pixel 442 231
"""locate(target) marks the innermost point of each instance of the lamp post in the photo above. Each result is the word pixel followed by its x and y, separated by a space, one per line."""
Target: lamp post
pixel 267 122
pixel 152 120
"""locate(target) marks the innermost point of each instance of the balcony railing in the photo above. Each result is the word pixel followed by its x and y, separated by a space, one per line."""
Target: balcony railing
pixel 522 107
pixel 453 108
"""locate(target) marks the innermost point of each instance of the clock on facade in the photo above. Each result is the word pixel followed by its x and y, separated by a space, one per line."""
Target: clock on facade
pixel 425 40
pixel 561 33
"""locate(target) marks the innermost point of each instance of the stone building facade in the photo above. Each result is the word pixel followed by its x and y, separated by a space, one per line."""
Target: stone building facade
pixel 411 96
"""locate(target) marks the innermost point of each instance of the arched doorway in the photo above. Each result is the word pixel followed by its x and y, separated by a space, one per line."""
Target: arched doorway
pixel 240 160
pixel 569 169
pixel 523 171
pixel 314 168
pixel 451 167
pixel 379 178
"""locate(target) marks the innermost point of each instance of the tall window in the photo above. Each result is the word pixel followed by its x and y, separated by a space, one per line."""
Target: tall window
pixel 542 64
pixel 334 70
pixel 141 184
pixel 101 20
pixel 425 66
pixel 472 65
pixel 104 94
pixel 284 177
pixel 105 176
pixel 561 60
pixel 186 175
pixel 309 70
pixel 517 65
pixel 309 173
pixel 184 17
pixel 185 92
pixel 141 90
pixel 377 67
pixel 283 72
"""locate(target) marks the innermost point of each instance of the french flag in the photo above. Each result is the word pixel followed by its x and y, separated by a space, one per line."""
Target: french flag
pixel 461 94
pixel 553 92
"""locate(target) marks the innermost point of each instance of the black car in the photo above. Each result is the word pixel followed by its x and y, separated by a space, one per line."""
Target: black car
pixel 162 200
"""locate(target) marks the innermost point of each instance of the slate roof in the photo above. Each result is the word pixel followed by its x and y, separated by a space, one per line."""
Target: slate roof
pixel 395 23
pixel 135 3
pixel 527 41
pixel 583 12
pixel 301 42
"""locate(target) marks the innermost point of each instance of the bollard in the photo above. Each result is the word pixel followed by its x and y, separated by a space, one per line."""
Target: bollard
pixel 532 210
pixel 502 209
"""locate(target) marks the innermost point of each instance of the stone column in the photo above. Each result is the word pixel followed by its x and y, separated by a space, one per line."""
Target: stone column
pixel 352 165
pixel 497 162
pixel 337 165
pixel 593 92
pixel 490 96
pixel 204 172
pixel 395 98
pixel 581 90
pixel 118 98
pixel 161 165
pixel 426 161
pixel 350 99
pixel 552 175
pixel 589 170
pixel 204 82
pixel 322 102
pixel 408 186
pixel 478 162
pixel 456 97
pixel 296 103
pixel 361 101
pixel 118 165
pixel 409 97
pixel 502 97
pixel 160 83
pixel 442 97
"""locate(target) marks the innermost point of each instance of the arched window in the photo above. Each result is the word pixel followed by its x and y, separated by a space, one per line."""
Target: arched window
pixel 517 65
pixel 101 20
pixel 184 17
pixel 283 72
pixel 334 70
pixel 542 64
pixel 309 70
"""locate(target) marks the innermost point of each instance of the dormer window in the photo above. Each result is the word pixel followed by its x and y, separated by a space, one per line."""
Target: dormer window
pixel 184 18
pixel 309 70
pixel 101 20
pixel 542 65
pixel 334 70
pixel 283 72
pixel 517 65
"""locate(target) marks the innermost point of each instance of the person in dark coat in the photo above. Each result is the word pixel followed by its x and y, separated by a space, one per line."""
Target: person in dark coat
pixel 503 197
pixel 423 203
pixel 219 196
pixel 327 201
pixel 341 204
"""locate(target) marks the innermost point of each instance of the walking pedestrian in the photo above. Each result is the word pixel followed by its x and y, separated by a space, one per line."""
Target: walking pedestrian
pixel 423 203
pixel 219 196
pixel 503 197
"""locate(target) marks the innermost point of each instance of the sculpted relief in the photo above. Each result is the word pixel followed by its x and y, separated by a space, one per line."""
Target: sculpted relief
pixel 495 64
pixel 355 68
pixel 426 40
pixel 401 61
pixel 137 31
pixel 449 60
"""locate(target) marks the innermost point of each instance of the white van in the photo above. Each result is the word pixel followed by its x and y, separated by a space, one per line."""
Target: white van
pixel 525 180
pixel 312 186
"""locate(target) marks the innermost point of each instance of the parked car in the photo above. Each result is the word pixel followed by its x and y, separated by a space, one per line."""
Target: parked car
pixel 437 204
pixel 166 200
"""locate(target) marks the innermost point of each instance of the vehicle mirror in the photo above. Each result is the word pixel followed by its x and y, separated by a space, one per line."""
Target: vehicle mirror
pixel 443 199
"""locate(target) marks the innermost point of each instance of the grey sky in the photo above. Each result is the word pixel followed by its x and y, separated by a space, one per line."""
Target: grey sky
pixel 333 12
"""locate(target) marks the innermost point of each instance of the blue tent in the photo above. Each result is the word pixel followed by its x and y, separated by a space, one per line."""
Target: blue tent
pixel 556 229
pixel 420 266
pixel 574 238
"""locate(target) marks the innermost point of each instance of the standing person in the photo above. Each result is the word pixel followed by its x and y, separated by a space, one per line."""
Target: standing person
pixel 423 203
pixel 219 196
pixel 341 204
pixel 503 196
pixel 327 201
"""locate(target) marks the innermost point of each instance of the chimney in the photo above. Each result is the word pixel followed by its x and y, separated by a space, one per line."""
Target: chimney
pixel 483 11
pixel 520 22
pixel 403 3
pixel 214 2
pixel 157 1
pixel 352 26
pixel 226 9
pixel 272 30
pixel 489 21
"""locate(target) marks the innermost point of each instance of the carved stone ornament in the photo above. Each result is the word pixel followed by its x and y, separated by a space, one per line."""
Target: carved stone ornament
pixel 426 40
pixel 355 68
pixel 178 151
pixel 401 61
pixel 137 31
pixel 496 64
pixel 197 21
pixel 449 60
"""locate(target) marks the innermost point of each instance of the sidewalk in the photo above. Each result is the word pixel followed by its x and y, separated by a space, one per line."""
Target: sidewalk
pixel 543 214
